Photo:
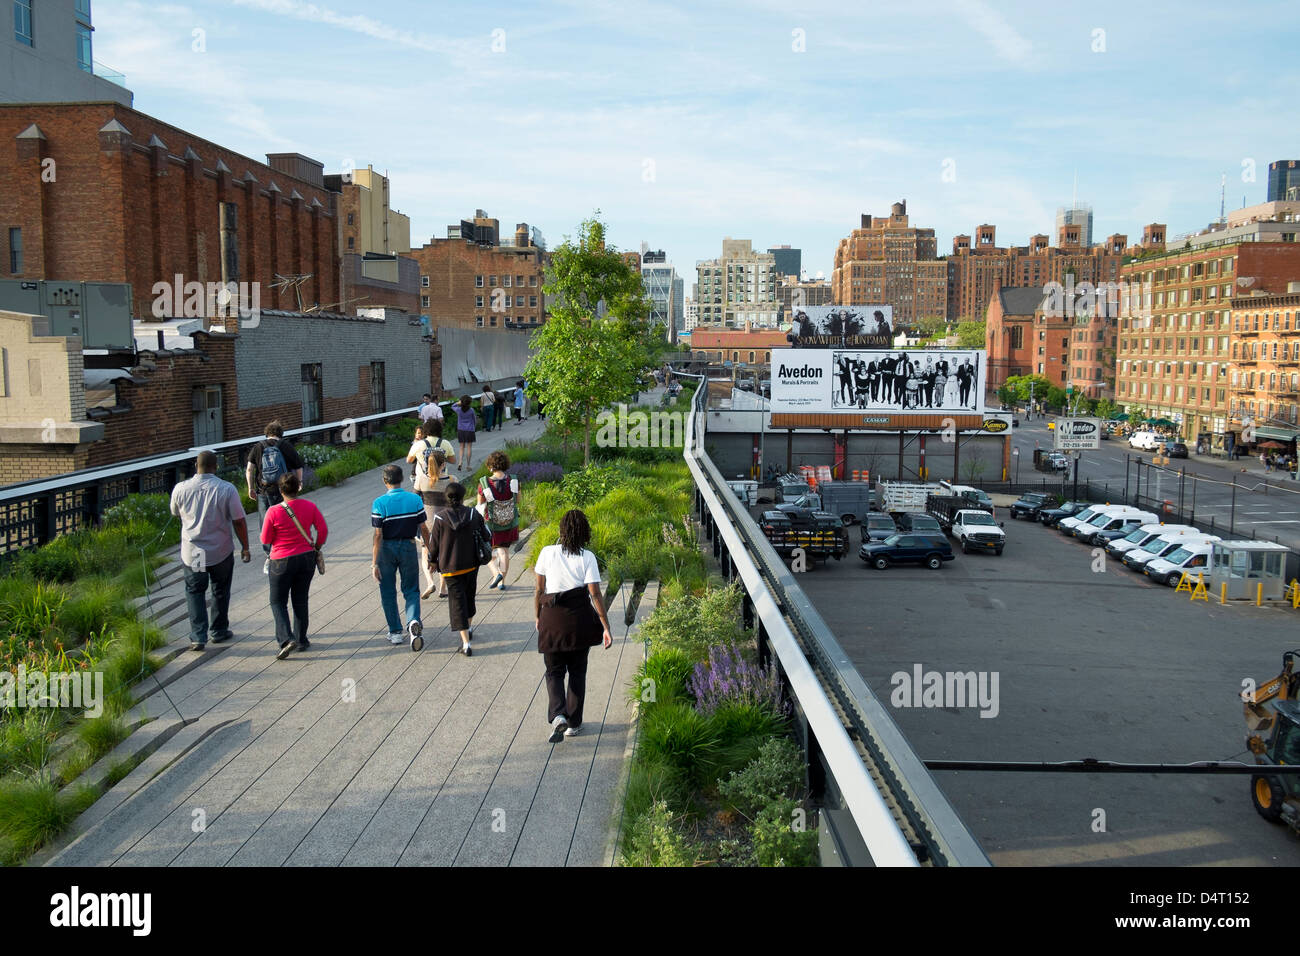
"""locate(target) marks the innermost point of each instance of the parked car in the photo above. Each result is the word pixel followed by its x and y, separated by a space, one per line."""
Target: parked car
pixel 1052 516
pixel 1195 557
pixel 927 549
pixel 1146 533
pixel 1110 517
pixel 1176 450
pixel 1158 547
pixel 1030 504
pixel 1055 461
pixel 1145 441
pixel 912 522
pixel 877 526
pixel 1105 537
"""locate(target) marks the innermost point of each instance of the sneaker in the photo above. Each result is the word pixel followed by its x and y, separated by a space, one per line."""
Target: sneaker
pixel 397 638
pixel 467 650
pixel 415 629
pixel 222 637
pixel 197 645
pixel 303 645
pixel 501 586
pixel 558 727
pixel 573 731
pixel 286 650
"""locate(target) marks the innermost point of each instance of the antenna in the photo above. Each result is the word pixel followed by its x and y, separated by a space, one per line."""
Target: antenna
pixel 1223 186
pixel 291 282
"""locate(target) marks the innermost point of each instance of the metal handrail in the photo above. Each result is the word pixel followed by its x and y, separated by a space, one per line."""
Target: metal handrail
pixel 814 663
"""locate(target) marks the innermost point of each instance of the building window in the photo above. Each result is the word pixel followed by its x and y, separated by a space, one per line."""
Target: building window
pixel 505 281
pixel 351 242
pixel 478 321
pixel 424 282
pixel 519 300
pixel 532 280
pixel 424 303
pixel 492 280
pixel 519 280
pixel 492 320
pixel 16 251
pixel 478 282
pixel 85 58
pixel 532 301
pixel 378 391
pixel 23 22
pixel 312 395
pixel 350 220
pixel 478 302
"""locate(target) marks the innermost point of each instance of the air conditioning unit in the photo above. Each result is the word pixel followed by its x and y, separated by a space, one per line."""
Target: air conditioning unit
pixel 98 312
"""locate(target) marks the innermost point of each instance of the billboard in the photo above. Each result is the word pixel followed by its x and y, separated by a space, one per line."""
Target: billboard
pixel 1078 434
pixel 860 326
pixel 923 381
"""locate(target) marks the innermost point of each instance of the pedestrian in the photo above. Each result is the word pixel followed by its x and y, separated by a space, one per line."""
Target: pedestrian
pixel 429 453
pixel 268 461
pixel 501 407
pixel 294 557
pixel 571 619
pixel 398 518
pixel 465 425
pixel 498 492
pixel 208 507
pixel 1263 460
pixel 429 410
pixel 488 403
pixel 519 402
pixel 454 550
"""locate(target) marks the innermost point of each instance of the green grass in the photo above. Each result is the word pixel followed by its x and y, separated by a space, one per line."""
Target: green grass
pixel 34 811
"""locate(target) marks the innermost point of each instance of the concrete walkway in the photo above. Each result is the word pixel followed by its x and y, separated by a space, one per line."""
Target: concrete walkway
pixel 357 752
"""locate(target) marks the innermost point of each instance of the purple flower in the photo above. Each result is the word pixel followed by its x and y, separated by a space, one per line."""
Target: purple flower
pixel 726 677
pixel 537 471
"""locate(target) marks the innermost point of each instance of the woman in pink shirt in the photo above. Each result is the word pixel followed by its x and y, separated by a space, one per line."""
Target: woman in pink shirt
pixel 293 561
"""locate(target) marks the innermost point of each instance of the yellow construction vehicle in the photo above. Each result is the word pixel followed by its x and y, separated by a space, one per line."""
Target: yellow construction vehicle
pixel 1273 721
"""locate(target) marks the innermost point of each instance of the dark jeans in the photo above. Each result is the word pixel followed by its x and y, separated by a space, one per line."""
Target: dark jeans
pixel 559 703
pixel 264 501
pixel 290 580
pixel 489 415
pixel 196 590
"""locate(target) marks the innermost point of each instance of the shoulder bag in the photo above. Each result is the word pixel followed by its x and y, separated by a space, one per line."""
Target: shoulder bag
pixel 320 558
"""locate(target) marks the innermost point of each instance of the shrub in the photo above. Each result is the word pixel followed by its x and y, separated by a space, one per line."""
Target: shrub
pixel 31 611
pixel 649 782
pixel 726 677
pixel 536 471
pixel 668 670
pixel 317 455
pixel 26 739
pixel 656 840
pixel 591 484
pixel 679 736
pixel 33 811
pixel 101 734
pixel 333 473
pixel 151 509
pixel 96 603
pixel 775 773
pixel 59 560
pixel 777 842
pixel 695 624
pixel 743 730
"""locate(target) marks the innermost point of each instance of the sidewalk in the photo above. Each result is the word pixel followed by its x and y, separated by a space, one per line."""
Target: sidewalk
pixel 357 752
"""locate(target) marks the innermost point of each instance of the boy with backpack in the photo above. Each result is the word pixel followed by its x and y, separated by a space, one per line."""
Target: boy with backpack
pixel 269 461
pixel 498 494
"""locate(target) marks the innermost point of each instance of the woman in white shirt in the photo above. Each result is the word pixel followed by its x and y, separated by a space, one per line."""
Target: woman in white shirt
pixel 571 619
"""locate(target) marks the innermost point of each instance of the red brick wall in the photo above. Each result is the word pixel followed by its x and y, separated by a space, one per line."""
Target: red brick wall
pixel 120 212
pixel 452 264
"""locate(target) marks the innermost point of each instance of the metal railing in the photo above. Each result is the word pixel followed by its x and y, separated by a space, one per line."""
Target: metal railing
pixel 879 804
pixel 35 512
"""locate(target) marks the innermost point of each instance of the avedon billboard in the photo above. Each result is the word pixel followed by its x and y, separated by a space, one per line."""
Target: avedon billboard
pixel 885 380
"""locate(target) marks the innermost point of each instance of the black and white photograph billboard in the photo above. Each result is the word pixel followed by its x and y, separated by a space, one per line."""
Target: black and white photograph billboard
pixel 862 326
pixel 894 380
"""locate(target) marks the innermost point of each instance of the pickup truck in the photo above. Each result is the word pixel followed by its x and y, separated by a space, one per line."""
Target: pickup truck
pixel 820 534
pixel 1030 504
pixel 973 528
pixel 900 496
pixel 807 501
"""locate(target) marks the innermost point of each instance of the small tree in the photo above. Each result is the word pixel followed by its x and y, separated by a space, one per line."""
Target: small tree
pixel 970 335
pixel 598 340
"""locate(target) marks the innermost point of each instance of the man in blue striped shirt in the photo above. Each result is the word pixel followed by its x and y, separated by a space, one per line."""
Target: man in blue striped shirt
pixel 397 518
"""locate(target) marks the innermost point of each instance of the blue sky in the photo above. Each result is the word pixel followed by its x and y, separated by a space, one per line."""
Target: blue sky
pixel 685 123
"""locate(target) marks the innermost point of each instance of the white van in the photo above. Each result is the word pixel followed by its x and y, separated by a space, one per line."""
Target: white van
pixel 1194 557
pixel 1145 441
pixel 1110 518
pixel 1140 536
pixel 1066 525
pixel 1158 547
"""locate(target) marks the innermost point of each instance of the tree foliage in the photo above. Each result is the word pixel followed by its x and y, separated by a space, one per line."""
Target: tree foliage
pixel 970 335
pixel 594 347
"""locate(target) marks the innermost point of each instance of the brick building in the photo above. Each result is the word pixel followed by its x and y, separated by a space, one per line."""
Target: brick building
pixel 1176 338
pixel 792 292
pixel 738 346
pixel 1024 336
pixel 472 284
pixel 1094 336
pixel 1264 368
pixel 99 191
pixel 888 261
pixel 972 268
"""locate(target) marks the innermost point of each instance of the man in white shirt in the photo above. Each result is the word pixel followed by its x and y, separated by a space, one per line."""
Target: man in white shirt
pixel 429 410
pixel 208 506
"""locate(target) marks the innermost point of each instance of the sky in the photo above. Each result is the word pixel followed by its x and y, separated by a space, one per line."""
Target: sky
pixel 778 122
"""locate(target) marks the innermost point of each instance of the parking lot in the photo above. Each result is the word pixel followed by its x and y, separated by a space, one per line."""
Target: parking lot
pixel 1089 663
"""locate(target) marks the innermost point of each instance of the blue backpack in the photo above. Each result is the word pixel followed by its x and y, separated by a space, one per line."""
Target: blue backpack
pixel 273 466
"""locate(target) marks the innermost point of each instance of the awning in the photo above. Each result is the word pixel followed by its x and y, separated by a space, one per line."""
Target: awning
pixel 1280 434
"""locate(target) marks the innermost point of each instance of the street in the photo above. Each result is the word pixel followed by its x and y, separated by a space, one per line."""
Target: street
pixel 1269 509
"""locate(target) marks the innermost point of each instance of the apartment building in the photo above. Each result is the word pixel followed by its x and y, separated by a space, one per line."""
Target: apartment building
pixel 738 287
pixel 1264 365
pixel 888 261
